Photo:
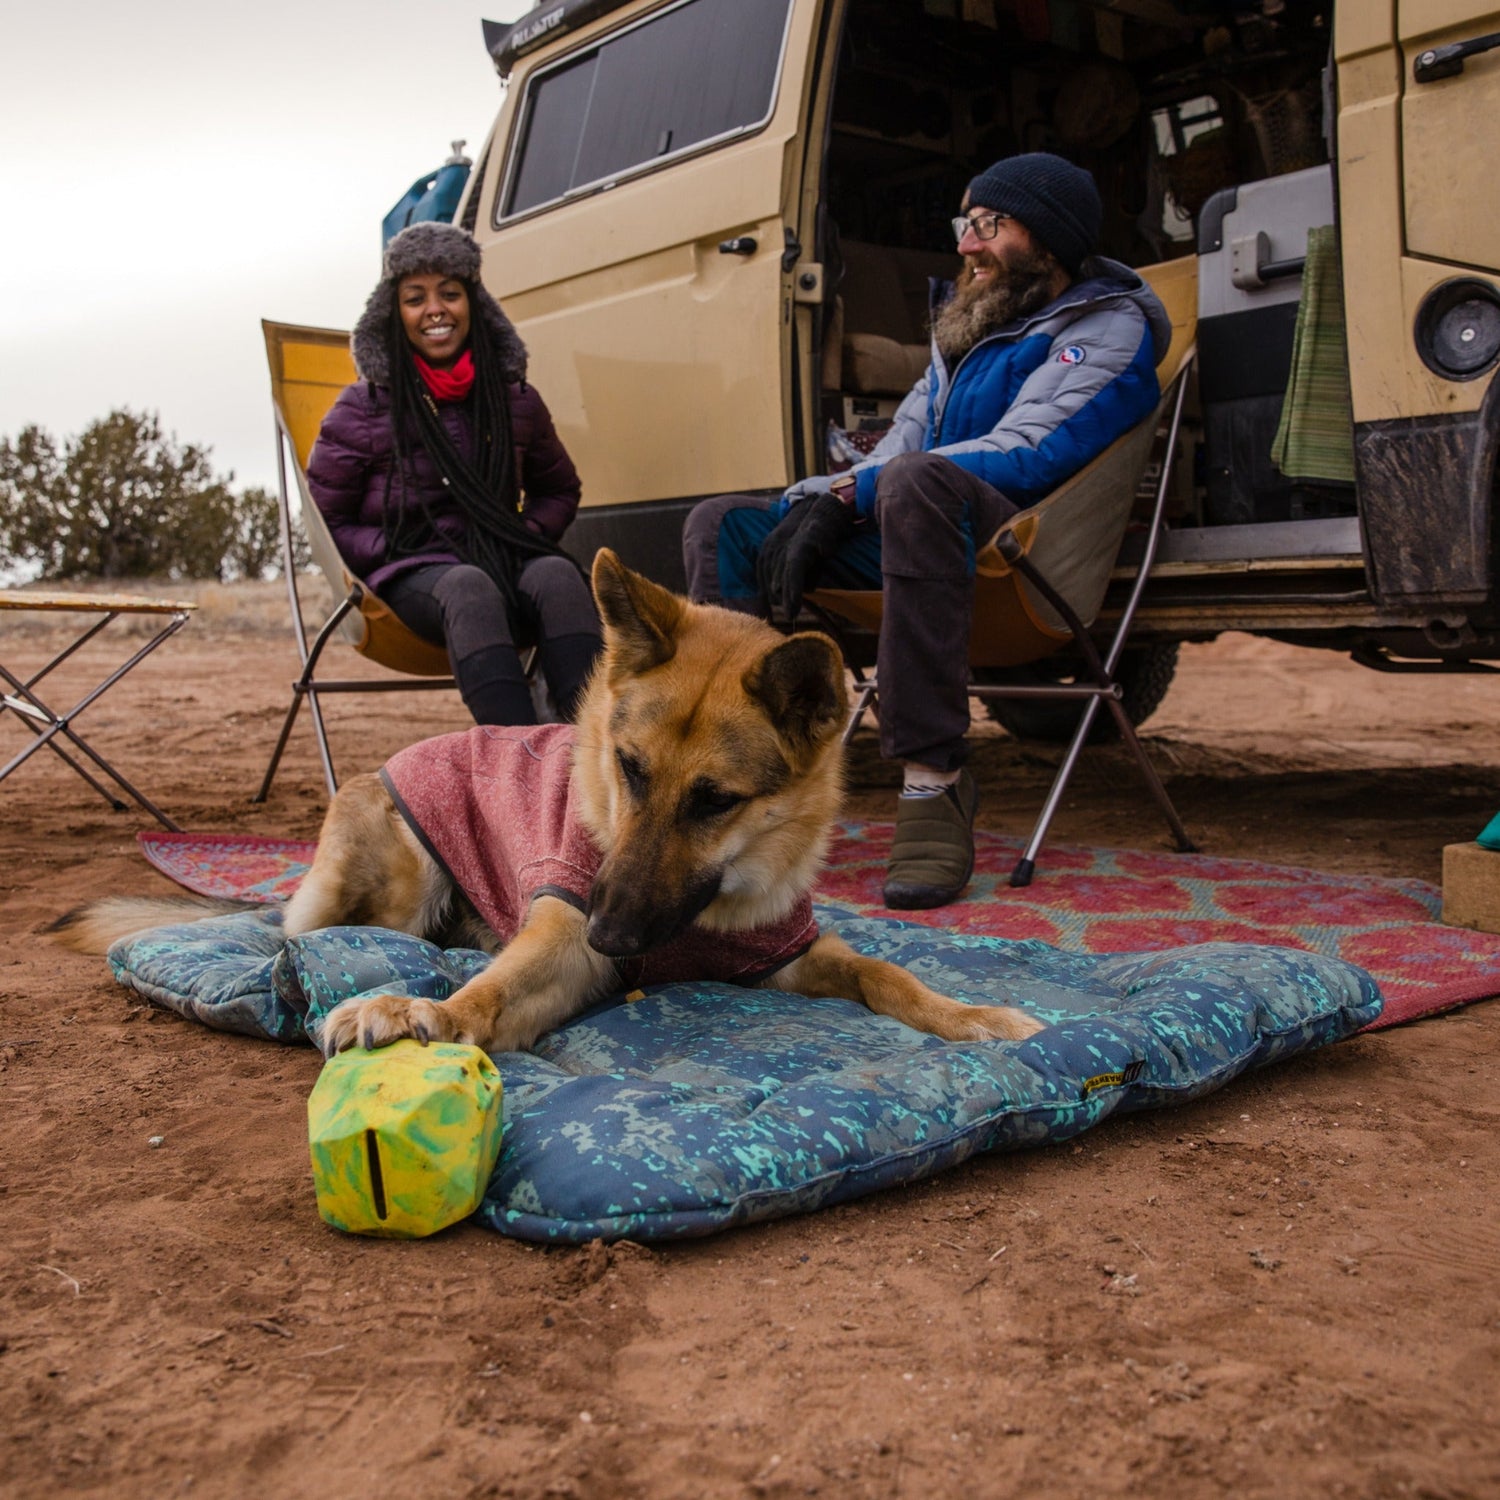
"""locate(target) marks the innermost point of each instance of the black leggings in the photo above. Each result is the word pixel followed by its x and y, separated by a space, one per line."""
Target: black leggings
pixel 460 607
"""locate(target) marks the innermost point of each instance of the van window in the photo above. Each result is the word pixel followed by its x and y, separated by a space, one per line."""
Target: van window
pixel 1185 134
pixel 703 70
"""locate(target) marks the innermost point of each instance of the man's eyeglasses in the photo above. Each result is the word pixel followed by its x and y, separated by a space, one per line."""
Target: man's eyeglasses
pixel 985 225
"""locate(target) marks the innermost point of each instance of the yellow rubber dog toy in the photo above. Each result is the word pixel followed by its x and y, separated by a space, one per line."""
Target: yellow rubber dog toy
pixel 403 1139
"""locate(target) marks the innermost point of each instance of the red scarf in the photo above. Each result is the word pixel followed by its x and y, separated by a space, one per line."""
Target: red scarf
pixel 448 385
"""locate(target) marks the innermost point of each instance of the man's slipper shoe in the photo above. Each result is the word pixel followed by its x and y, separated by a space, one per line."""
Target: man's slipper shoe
pixel 932 855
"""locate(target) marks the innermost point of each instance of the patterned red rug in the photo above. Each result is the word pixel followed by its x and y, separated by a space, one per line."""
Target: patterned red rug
pixel 1083 900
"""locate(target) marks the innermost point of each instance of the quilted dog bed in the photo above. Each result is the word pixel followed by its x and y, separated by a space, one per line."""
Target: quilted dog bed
pixel 697 1107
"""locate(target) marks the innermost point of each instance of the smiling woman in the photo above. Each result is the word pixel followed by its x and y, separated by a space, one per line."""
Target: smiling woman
pixel 446 488
pixel 435 314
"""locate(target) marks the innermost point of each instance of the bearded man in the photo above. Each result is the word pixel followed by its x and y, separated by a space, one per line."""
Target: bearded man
pixel 1042 355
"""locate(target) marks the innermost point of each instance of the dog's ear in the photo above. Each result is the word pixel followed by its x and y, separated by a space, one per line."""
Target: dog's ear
pixel 800 683
pixel 641 619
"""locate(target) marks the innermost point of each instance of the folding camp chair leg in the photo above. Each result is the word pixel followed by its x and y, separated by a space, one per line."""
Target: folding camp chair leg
pixel 1185 845
pixel 862 702
pixel 1026 865
pixel 1108 690
pixel 303 688
pixel 300 691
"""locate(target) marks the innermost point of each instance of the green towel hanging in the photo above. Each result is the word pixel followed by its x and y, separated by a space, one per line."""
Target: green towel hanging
pixel 1315 438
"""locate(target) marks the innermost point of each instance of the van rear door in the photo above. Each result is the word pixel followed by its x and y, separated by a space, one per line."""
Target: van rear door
pixel 1447 148
pixel 640 229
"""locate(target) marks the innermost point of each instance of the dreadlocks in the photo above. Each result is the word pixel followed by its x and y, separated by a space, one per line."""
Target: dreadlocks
pixel 485 488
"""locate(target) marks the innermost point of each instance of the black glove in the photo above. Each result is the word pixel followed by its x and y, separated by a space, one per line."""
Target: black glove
pixel 791 557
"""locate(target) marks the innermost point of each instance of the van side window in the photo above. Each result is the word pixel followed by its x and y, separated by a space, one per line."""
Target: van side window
pixel 1193 157
pixel 703 70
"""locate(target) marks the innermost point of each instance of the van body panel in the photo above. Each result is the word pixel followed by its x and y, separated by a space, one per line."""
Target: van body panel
pixel 1410 219
pixel 1370 212
pixel 643 335
pixel 1446 163
pixel 1426 495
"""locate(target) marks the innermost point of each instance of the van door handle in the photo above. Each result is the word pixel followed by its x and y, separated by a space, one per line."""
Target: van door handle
pixel 1447 62
pixel 744 244
pixel 1250 263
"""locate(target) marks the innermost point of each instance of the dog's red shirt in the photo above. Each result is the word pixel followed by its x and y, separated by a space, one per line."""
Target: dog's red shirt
pixel 492 806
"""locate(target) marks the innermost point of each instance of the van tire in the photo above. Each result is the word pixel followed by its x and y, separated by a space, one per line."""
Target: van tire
pixel 1145 673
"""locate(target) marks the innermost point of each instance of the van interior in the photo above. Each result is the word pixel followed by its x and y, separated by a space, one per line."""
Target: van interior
pixel 1204 127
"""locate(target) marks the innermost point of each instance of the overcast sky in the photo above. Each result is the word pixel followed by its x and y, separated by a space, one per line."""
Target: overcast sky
pixel 173 171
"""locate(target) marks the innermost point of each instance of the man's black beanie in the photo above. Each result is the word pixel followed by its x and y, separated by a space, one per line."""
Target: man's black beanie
pixel 1055 200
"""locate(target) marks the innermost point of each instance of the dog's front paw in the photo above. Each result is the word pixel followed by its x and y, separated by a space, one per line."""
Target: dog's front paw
pixel 999 1023
pixel 387 1018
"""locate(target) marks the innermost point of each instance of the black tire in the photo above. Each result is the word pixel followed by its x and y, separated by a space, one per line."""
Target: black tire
pixel 1145 673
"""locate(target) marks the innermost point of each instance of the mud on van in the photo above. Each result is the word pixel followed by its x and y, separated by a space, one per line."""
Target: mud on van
pixel 714 222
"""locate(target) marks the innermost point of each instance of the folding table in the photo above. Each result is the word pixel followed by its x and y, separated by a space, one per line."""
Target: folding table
pixel 49 726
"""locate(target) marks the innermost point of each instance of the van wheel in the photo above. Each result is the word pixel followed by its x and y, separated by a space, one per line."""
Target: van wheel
pixel 1145 673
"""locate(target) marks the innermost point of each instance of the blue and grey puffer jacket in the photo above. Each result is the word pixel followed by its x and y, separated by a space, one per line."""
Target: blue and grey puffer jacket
pixel 1030 404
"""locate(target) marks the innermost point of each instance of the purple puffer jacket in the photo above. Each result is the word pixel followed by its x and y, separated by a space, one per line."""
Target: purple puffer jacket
pixel 354 454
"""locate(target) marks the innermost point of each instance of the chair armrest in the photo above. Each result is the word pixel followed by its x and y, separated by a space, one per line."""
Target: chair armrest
pixel 1014 538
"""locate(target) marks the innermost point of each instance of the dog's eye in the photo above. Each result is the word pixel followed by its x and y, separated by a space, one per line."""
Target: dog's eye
pixel 712 802
pixel 633 772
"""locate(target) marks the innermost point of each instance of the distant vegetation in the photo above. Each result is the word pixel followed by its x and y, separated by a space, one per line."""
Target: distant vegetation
pixel 123 499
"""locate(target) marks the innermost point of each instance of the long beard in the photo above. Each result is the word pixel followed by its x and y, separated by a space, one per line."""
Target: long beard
pixel 1022 284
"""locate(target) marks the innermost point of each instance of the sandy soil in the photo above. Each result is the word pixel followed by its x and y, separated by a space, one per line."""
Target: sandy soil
pixel 1314 1250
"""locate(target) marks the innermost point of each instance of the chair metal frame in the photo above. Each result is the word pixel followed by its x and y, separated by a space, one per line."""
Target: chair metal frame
pixel 1102 685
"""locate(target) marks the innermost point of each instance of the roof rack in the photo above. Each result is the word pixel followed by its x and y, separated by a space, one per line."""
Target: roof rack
pixel 507 44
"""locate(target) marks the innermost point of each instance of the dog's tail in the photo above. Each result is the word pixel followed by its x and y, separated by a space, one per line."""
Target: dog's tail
pixel 94 926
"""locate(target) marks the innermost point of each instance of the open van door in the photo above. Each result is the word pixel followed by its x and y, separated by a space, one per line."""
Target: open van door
pixel 660 326
pixel 1445 161
pixel 1416 149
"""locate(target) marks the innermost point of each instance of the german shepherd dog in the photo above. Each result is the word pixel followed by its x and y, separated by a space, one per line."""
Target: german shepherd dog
pixel 706 770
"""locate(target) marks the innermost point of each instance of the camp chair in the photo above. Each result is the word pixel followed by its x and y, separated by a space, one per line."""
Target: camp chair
pixel 1041 579
pixel 309 367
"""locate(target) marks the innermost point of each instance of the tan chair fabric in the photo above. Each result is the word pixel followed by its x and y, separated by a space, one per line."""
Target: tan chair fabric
pixel 309 367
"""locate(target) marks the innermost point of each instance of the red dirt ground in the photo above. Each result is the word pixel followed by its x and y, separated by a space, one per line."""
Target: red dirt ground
pixel 1313 1250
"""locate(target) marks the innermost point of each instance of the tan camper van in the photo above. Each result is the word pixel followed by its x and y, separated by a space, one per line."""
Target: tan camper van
pixel 714 222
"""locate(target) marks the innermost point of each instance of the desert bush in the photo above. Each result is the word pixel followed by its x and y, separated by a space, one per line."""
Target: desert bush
pixel 123 499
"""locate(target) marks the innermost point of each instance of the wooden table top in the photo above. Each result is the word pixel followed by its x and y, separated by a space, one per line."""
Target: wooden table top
pixel 123 604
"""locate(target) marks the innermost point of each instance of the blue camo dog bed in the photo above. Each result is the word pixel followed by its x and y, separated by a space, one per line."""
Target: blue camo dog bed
pixel 698 1107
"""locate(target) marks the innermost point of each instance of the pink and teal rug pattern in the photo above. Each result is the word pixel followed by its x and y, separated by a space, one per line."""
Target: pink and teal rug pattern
pixel 228 866
pixel 1082 900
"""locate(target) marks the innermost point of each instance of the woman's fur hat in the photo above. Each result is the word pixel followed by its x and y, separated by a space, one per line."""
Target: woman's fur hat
pixel 417 250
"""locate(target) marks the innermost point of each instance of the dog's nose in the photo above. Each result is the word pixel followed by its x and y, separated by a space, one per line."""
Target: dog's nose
pixel 631 916
pixel 615 939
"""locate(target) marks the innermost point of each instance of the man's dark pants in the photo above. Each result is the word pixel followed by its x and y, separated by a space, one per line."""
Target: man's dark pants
pixel 931 517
